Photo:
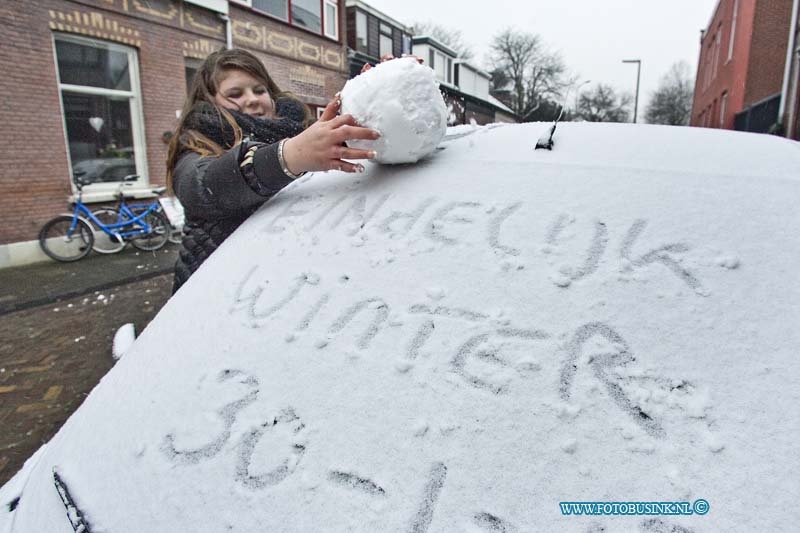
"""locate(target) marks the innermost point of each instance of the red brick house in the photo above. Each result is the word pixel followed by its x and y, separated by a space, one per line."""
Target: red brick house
pixel 742 63
pixel 92 86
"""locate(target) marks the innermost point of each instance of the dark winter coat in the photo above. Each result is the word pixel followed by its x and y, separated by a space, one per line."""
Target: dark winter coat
pixel 219 193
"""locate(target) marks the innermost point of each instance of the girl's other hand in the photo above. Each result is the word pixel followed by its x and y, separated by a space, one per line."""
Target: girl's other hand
pixel 321 146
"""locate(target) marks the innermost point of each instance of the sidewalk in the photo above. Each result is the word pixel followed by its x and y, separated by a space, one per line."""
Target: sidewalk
pixel 55 348
pixel 42 283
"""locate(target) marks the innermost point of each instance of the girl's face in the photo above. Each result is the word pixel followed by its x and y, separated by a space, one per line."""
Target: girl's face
pixel 239 91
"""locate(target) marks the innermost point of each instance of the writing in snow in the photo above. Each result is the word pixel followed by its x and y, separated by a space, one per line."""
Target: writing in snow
pixel 472 223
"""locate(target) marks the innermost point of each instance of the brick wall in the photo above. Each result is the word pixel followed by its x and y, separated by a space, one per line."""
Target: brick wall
pixel 723 72
pixel 34 179
pixel 768 49
pixel 34 168
pixel 755 68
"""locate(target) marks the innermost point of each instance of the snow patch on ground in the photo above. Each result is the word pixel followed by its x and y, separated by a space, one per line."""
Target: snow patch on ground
pixel 123 340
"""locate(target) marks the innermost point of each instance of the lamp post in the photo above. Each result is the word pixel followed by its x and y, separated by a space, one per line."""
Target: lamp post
pixel 638 72
pixel 577 92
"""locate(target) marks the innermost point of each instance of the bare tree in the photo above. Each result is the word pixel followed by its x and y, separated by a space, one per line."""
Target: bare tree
pixel 527 71
pixel 603 104
pixel 671 103
pixel 451 37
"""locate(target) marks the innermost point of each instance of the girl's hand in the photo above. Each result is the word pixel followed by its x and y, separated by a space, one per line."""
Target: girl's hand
pixel 321 146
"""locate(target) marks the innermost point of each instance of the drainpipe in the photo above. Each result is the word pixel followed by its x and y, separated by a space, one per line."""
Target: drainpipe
pixel 788 67
pixel 229 30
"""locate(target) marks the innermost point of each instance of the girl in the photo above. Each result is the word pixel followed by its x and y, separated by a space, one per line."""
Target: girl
pixel 240 140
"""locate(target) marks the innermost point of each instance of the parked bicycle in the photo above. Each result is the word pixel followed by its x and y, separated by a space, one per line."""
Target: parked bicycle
pixel 109 243
pixel 70 237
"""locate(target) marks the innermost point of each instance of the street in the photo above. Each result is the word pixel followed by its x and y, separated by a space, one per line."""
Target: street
pixel 52 356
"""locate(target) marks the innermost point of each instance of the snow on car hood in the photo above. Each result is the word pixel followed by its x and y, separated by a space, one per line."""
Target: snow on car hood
pixel 462 344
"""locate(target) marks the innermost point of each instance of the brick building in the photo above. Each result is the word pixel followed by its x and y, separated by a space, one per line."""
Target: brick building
pixel 741 67
pixel 92 86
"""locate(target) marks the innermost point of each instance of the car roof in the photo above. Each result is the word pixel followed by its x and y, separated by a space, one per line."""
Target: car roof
pixel 465 343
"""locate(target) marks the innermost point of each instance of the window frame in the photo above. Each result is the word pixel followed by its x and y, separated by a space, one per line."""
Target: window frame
pixel 335 5
pixel 107 190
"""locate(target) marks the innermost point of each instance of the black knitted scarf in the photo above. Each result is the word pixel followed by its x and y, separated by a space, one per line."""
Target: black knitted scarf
pixel 206 119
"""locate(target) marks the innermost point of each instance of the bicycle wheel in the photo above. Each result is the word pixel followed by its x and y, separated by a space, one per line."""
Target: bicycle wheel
pixel 158 235
pixel 103 242
pixel 60 241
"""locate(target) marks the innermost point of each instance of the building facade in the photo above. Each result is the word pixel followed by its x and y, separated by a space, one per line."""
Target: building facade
pixel 741 66
pixel 372 34
pixel 94 87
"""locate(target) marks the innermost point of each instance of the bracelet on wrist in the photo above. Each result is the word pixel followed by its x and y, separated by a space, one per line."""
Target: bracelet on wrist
pixel 282 161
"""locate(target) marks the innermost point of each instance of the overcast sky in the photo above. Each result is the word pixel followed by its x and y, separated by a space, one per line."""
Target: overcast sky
pixel 593 36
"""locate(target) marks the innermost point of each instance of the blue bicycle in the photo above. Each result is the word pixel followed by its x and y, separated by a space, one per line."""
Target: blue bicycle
pixel 70 237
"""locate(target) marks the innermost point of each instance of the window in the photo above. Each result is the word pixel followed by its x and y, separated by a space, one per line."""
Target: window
pixel 440 66
pixel 733 29
pixel 361 31
pixel 406 44
pixel 386 40
pixel 717 43
pixel 332 19
pixel 190 68
pixel 307 14
pixel 449 70
pixel 276 8
pixel 100 98
pixel 709 60
pixel 318 16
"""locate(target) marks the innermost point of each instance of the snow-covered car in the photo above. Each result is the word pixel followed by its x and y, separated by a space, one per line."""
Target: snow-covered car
pixel 109 169
pixel 496 338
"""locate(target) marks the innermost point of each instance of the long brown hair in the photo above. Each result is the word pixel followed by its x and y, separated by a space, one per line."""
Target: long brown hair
pixel 204 87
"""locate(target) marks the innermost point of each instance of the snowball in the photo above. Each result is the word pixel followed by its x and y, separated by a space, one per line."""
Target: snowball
pixel 123 339
pixel 401 100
